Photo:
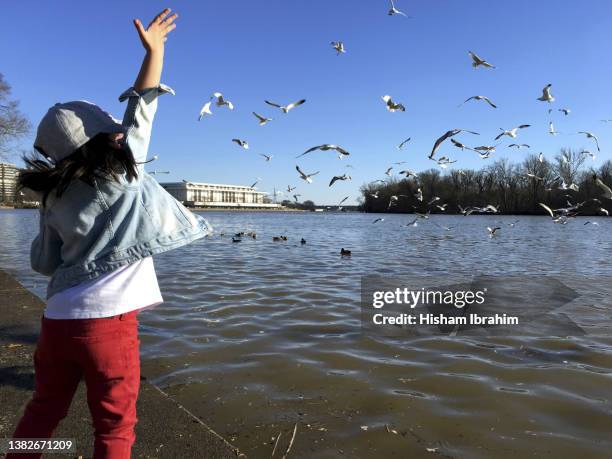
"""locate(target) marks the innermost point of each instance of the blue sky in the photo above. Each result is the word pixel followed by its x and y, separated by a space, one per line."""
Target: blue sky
pixel 280 50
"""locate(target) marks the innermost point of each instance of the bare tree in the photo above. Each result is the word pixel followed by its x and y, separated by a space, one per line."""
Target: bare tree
pixel 12 122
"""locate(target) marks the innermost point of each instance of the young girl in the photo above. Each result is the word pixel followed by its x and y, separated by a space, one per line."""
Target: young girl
pixel 101 219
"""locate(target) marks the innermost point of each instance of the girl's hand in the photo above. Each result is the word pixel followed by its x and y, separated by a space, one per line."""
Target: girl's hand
pixel 155 35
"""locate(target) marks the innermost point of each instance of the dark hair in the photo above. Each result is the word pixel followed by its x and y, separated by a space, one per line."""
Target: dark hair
pixel 95 159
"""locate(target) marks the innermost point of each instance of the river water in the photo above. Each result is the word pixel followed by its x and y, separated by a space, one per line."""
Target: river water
pixel 258 336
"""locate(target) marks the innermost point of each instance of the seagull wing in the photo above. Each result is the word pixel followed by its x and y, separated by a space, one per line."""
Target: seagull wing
pixel 547 209
pixel 334 179
pixel 205 111
pixel 294 104
pixel 488 101
pixel 272 103
pixel 259 117
pixel 310 150
pixel 604 187
pixel 297 168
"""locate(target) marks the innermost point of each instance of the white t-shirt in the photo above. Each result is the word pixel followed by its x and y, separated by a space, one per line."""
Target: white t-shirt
pixel 123 290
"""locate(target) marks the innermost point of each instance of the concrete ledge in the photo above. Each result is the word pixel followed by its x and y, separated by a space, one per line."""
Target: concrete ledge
pixel 165 428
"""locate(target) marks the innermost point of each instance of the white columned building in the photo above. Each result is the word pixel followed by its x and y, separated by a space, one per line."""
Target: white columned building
pixel 194 194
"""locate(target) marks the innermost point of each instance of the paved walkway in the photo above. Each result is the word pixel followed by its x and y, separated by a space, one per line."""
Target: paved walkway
pixel 165 429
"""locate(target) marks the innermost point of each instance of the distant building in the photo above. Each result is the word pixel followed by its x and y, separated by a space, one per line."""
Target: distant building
pixel 193 194
pixel 8 183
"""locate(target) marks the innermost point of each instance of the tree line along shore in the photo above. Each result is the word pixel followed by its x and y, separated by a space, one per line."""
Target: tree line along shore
pixel 513 188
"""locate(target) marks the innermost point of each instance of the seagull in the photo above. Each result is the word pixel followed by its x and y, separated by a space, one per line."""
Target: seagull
pixel 394 198
pixel 587 153
pixel 419 195
pixel 326 147
pixel 511 225
pixel 477 61
pixel 262 119
pixel 256 182
pixel 511 132
pixel 535 177
pixel 399 163
pixel 603 211
pixel 338 46
pixel 305 177
pixel 603 186
pixel 205 111
pixel 518 146
pixel 221 101
pixel 401 145
pixel 443 162
pixel 296 196
pixel 243 143
pixel 392 106
pixel 413 222
pixel 486 99
pixel 560 219
pixel 590 135
pixel 551 129
pixel 393 10
pixel 588 222
pixel 286 108
pixel 408 173
pixel 268 157
pixel 541 157
pixel 485 151
pixel 378 220
pixel 335 178
pixel 290 188
pixel 344 199
pixel 445 136
pixel 442 207
pixel 546 95
pixel 388 172
pixel 374 195
pixel 460 145
pixel 565 111
pixel 493 230
pixel 432 200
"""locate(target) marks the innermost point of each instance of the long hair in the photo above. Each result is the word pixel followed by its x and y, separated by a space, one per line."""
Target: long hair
pixel 95 159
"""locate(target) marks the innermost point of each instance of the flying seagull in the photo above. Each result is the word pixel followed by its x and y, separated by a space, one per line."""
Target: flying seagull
pixel 518 146
pixel 511 132
pixel 546 95
pixel 493 230
pixel 565 111
pixel 335 178
pixel 445 136
pixel 486 99
pixel 378 220
pixel 290 188
pixel 256 182
pixel 590 135
pixel 338 46
pixel 477 61
pixel 551 129
pixel 262 119
pixel 221 101
pixel 606 189
pixel 393 10
pixel 326 147
pixel 388 172
pixel 268 157
pixel 460 145
pixel 243 143
pixel 285 108
pixel 304 176
pixel 205 111
pixel 392 106
pixel 401 145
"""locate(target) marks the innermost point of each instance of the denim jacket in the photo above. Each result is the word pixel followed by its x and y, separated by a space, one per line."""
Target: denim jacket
pixel 90 231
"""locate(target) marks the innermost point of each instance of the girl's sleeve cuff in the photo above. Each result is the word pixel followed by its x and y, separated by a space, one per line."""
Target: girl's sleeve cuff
pixel 148 93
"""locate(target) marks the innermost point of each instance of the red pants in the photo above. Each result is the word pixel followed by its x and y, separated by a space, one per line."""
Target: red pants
pixel 105 352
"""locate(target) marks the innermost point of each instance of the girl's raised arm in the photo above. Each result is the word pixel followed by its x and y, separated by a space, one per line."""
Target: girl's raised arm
pixel 153 39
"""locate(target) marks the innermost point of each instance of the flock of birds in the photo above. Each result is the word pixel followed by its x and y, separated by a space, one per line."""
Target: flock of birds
pixel 560 216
